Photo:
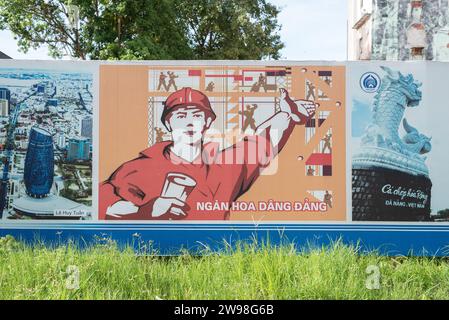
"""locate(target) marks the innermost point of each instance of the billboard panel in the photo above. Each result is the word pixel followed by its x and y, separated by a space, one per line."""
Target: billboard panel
pixel 398 142
pixel 46 141
pixel 250 142
pixel 184 154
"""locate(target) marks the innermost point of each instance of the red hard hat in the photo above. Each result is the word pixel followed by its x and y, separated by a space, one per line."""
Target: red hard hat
pixel 187 97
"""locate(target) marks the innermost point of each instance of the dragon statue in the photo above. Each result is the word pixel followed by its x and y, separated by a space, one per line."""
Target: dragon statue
pixel 381 144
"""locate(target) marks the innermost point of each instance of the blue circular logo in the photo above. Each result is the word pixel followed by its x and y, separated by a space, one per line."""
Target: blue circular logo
pixel 370 82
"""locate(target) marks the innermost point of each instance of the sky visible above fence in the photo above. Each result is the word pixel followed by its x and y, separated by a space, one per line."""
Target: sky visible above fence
pixel 311 30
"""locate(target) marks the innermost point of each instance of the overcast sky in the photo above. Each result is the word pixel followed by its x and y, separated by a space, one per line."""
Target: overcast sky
pixel 311 30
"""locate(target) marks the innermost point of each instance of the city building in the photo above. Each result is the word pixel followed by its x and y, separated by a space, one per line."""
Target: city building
pixel 38 200
pixel 359 29
pixel 41 88
pixel 39 163
pixel 23 144
pixel 78 149
pixel 398 30
pixel 21 131
pixel 86 127
pixel 46 207
pixel 4 108
pixel 5 94
pixel 60 139
pixel 52 102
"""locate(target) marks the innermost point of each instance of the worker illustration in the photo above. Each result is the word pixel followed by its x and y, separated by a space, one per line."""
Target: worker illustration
pixel 171 179
pixel 255 87
pixel 162 82
pixel 210 87
pixel 327 143
pixel 262 81
pixel 159 134
pixel 310 91
pixel 310 171
pixel 171 80
pixel 328 199
pixel 248 114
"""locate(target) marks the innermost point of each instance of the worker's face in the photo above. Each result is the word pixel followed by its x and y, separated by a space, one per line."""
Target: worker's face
pixel 188 125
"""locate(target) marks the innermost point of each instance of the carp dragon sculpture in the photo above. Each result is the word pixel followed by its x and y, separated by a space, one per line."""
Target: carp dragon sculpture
pixel 381 144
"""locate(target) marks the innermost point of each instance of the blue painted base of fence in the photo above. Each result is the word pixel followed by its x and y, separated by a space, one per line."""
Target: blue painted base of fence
pixel 171 238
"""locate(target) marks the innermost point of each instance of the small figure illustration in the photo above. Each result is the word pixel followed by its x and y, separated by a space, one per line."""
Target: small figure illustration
pixel 310 91
pixel 255 87
pixel 328 199
pixel 262 80
pixel 327 142
pixel 171 81
pixel 162 82
pixel 310 171
pixel 210 86
pixel 249 117
pixel 159 134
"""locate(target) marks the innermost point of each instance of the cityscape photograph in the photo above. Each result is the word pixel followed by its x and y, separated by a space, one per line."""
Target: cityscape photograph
pixel 45 144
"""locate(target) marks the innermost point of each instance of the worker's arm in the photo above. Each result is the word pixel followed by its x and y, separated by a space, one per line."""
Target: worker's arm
pixel 122 198
pixel 278 127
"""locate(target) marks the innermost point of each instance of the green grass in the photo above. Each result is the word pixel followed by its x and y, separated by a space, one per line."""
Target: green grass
pixel 246 272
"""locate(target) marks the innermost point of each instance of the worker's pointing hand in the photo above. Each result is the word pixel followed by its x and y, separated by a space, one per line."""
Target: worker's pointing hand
pixel 286 104
pixel 283 93
pixel 300 110
pixel 172 207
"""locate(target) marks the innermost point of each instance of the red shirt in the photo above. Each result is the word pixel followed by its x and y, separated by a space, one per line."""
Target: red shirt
pixel 141 180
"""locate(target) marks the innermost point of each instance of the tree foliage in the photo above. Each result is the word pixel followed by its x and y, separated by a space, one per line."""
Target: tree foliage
pixel 245 29
pixel 146 29
pixel 443 213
